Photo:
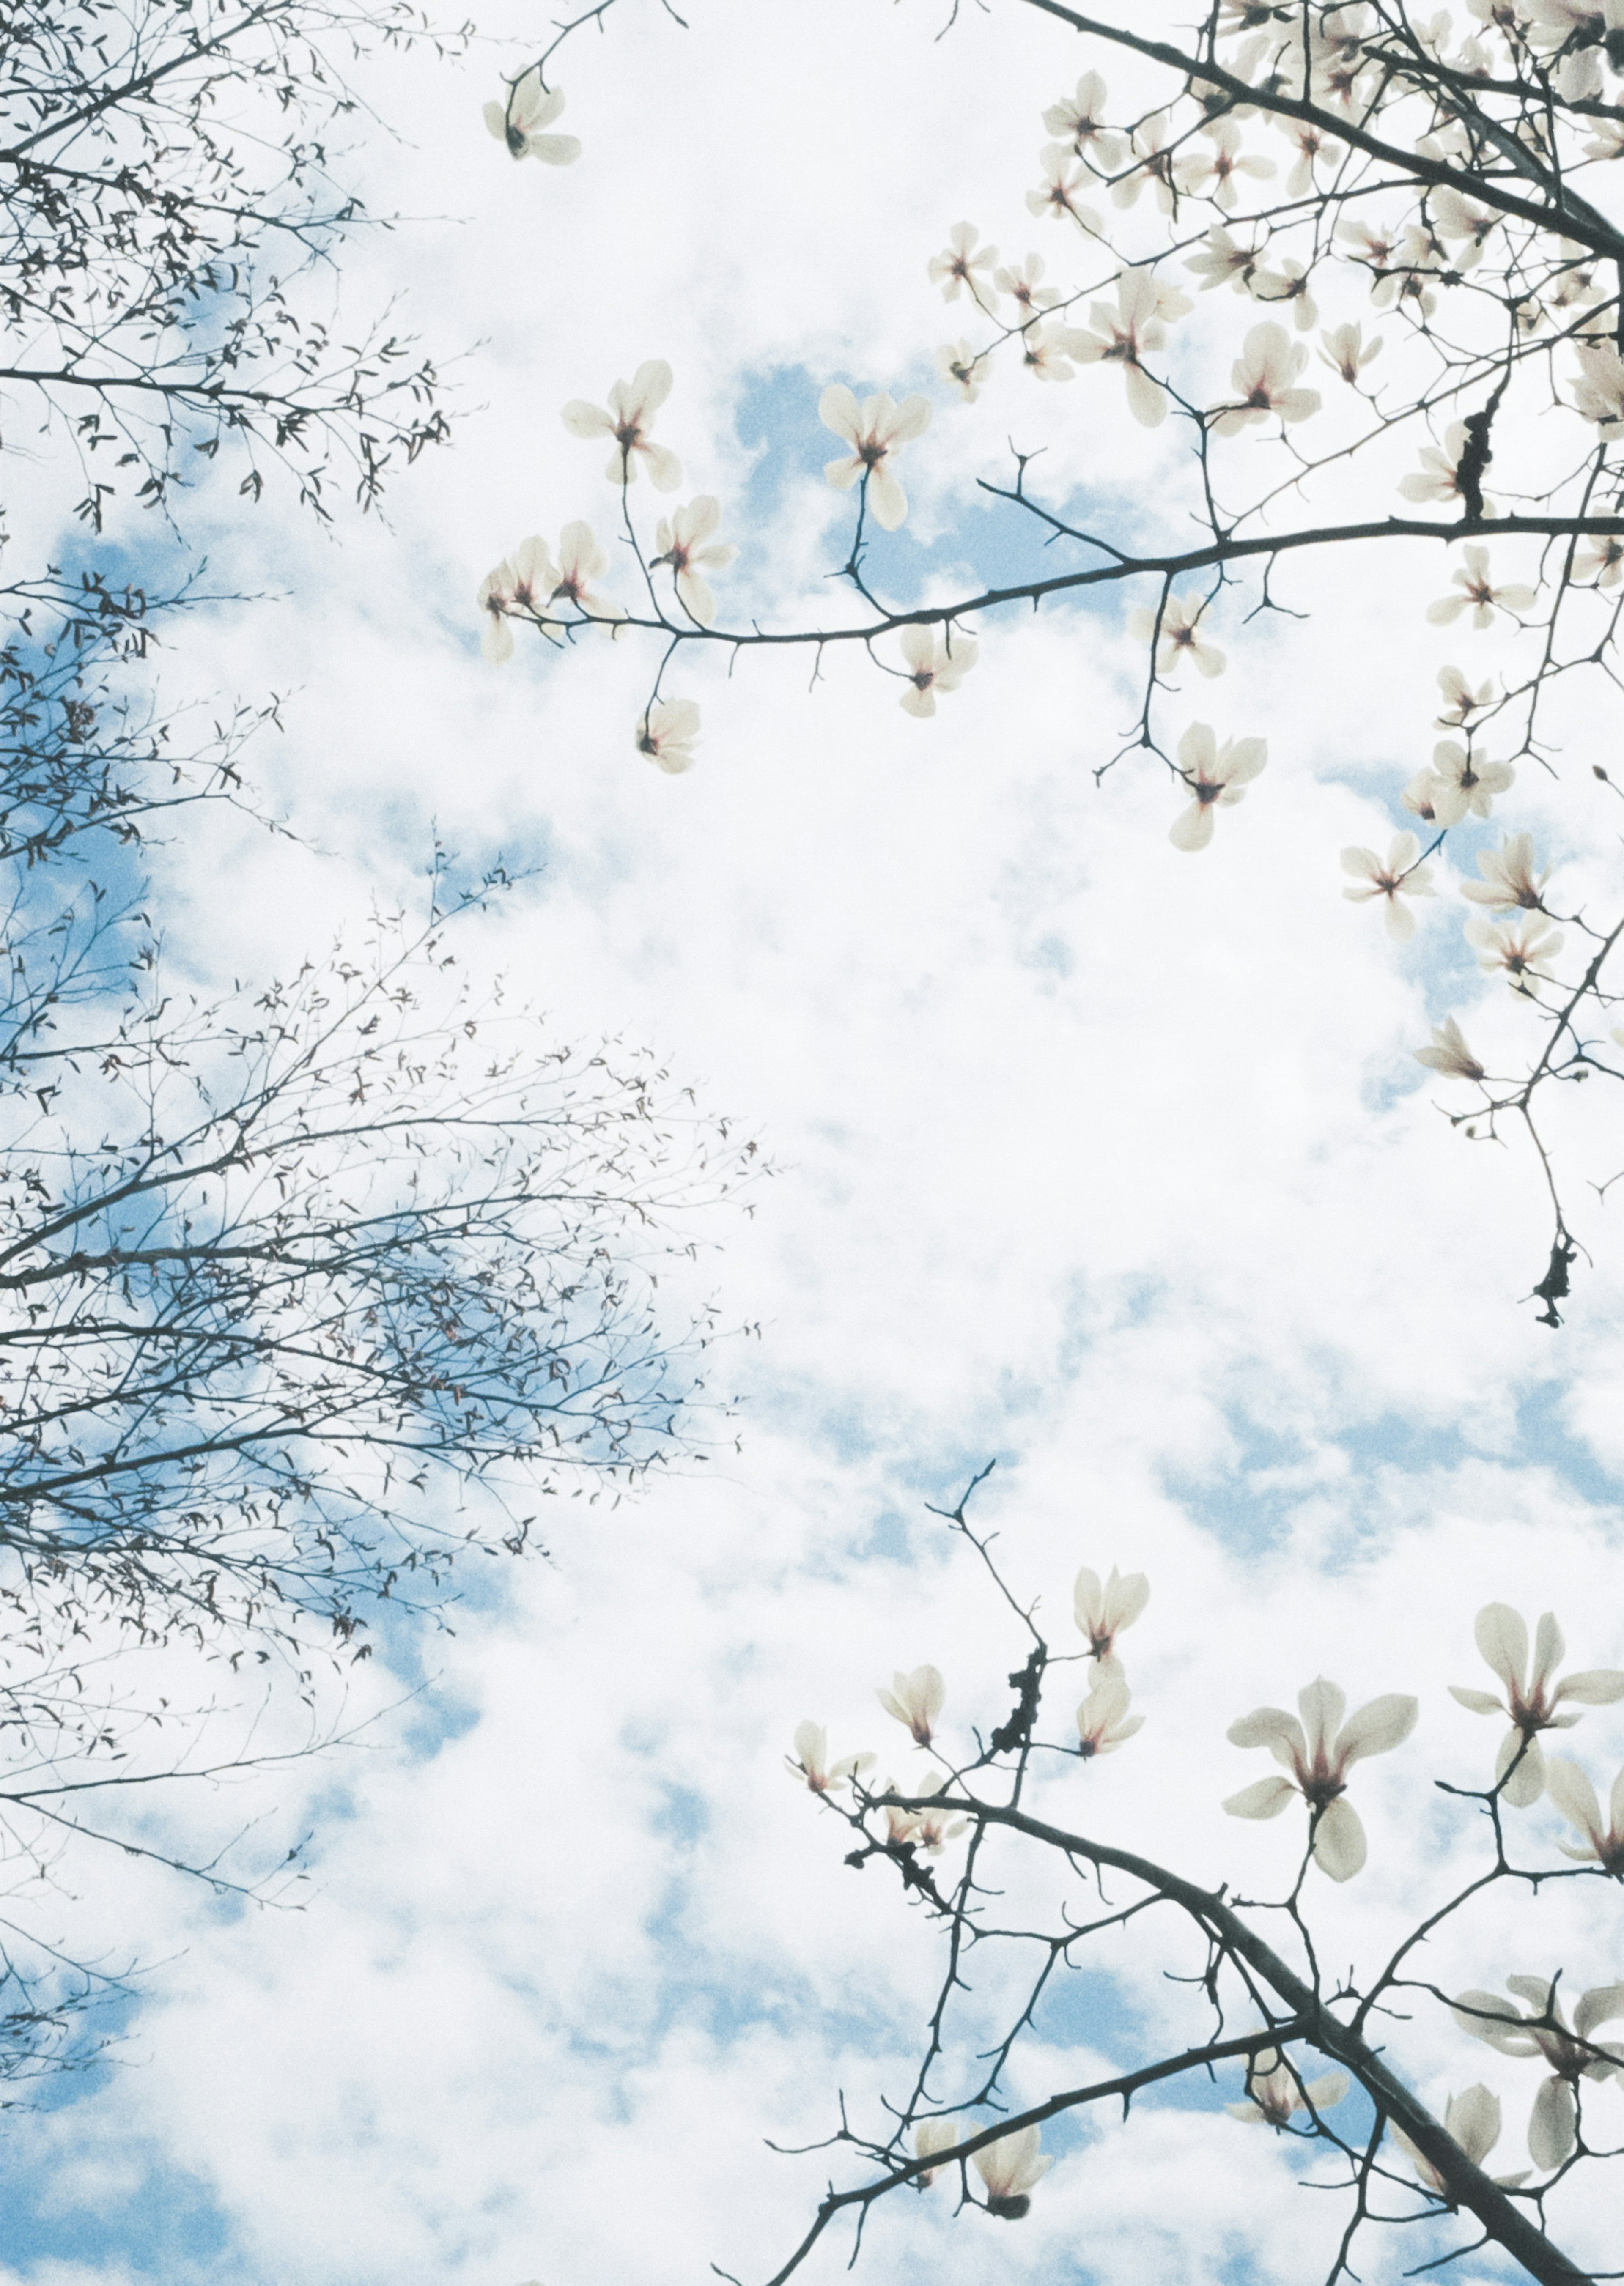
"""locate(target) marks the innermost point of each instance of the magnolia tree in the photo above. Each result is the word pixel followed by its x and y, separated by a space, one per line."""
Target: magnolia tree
pixel 990 1826
pixel 1360 257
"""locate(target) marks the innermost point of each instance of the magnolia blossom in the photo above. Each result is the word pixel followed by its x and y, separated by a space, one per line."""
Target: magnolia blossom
pixel 1150 147
pixel 1222 261
pixel 518 122
pixel 1463 784
pixel 1214 774
pixel 1524 949
pixel 1421 795
pixel 684 542
pixel 1599 562
pixel 1319 1752
pixel 916 1701
pixel 1274 2092
pixel 665 734
pixel 935 663
pixel 930 2138
pixel 1461 701
pixel 1400 876
pixel 957 267
pixel 1531 1704
pixel 1079 120
pixel 875 431
pixel 1103 1721
pixel 1128 333
pixel 1439 479
pixel 1063 179
pixel 932 1828
pixel 1312 145
pixel 1047 351
pixel 1508 875
pixel 1472 2120
pixel 1179 635
pixel 1263 377
pixel 1020 281
pixel 632 406
pixel 810 1761
pixel 580 562
pixel 901 1825
pixel 1289 282
pixel 1212 174
pixel 1103 1613
pixel 1572 2055
pixel 1346 352
pixel 1478 595
pixel 495 600
pixel 960 362
pixel 1466 227
pixel 1449 1052
pixel 1575 1797
pixel 1010 2168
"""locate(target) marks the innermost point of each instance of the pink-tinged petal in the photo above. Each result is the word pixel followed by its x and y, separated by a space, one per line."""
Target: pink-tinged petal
pixel 1551 2125
pixel 1322 1705
pixel 1192 829
pixel 1503 1641
pixel 1266 1797
pixel 1340 1839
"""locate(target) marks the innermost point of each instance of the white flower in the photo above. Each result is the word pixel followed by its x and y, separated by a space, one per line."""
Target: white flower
pixel 1103 1613
pixel 936 664
pixel 1103 1721
pixel 1020 282
pixel 1010 2168
pixel 811 1764
pixel 1531 1704
pixel 1213 175
pixel 1063 179
pixel 957 267
pixel 1461 701
pixel 684 542
pixel 1599 562
pixel 1288 281
pixel 930 2138
pixel 1575 1797
pixel 1572 2055
pixel 1439 479
pixel 960 362
pixel 1478 595
pixel 1346 352
pixel 916 1701
pixel 580 562
pixel 1180 636
pixel 1508 875
pixel 1150 145
pixel 1462 784
pixel 934 1827
pixel 1263 377
pixel 496 601
pixel 1456 221
pixel 1273 2091
pixel 1472 2119
pixel 632 405
pixel 665 734
pixel 1421 796
pixel 1319 1752
pixel 874 432
pixel 1312 144
pixel 1400 876
pixel 1449 1052
pixel 518 122
pixel 1046 349
pixel 1221 262
pixel 1078 120
pixel 1523 949
pixel 1128 333
pixel 901 1825
pixel 1214 774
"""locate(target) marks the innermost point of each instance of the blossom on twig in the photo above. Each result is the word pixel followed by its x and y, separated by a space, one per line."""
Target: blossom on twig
pixel 1524 949
pixel 1063 179
pixel 1463 784
pixel 1449 1052
pixel 1103 1613
pixel 1012 2168
pixel 1020 281
pixel 1212 174
pixel 1532 1704
pixel 931 2138
pixel 1129 334
pixel 916 1701
pixel 1221 262
pixel 1265 379
pixel 1599 562
pixel 1599 391
pixel 684 542
pixel 665 734
pixel 960 362
pixel 1478 595
pixel 1441 476
pixel 1508 875
pixel 1078 119
pixel 1400 875
pixel 632 406
pixel 1572 2055
pixel 1346 352
pixel 1274 2092
pixel 1047 351
pixel 1217 775
pixel 810 1761
pixel 1472 2120
pixel 1179 635
pixel 1319 1752
pixel 1575 1797
pixel 957 267
pixel 519 122
pixel 936 663
pixel 1461 701
pixel 1103 1721
pixel 876 431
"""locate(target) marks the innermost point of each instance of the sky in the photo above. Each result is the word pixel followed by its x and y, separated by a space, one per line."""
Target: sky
pixel 1104 1162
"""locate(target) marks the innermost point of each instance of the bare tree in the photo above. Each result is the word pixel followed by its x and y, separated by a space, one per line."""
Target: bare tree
pixel 1260 1999
pixel 1446 202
